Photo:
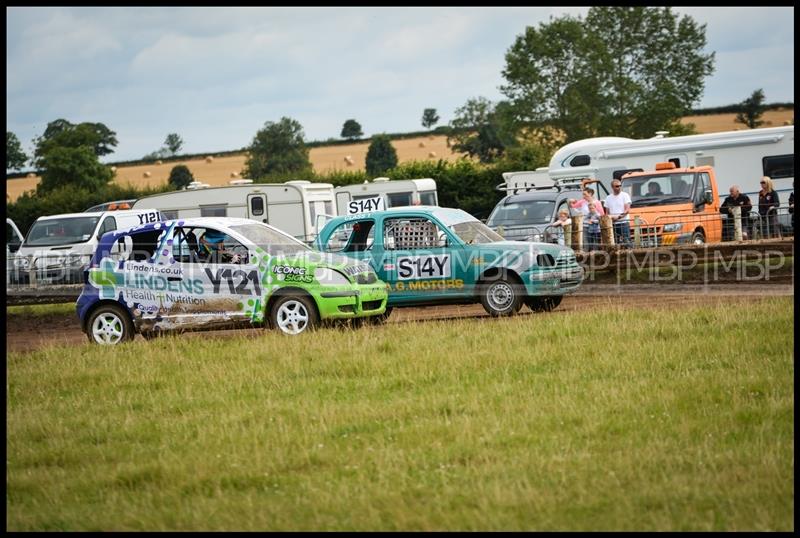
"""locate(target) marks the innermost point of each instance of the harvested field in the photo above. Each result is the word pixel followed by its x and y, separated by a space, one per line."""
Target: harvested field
pixel 330 158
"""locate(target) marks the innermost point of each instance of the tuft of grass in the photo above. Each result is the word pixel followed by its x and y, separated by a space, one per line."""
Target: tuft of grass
pixel 618 419
pixel 42 310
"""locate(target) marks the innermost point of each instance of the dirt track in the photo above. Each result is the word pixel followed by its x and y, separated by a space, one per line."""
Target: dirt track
pixel 25 334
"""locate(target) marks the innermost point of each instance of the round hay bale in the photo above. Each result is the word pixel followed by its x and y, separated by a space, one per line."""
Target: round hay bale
pixel 147 174
pixel 234 174
pixel 787 122
pixel 349 160
pixel 114 169
pixel 431 137
pixel 768 122
pixel 431 154
pixel 159 162
pixel 422 144
pixel 209 159
pixel 31 174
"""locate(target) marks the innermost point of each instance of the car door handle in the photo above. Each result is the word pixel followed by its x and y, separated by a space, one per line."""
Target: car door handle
pixel 174 278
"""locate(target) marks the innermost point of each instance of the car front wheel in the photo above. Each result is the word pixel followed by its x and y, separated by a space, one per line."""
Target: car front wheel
pixel 293 314
pixel 109 324
pixel 502 297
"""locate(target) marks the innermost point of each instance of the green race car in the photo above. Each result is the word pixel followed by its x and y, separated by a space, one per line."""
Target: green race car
pixel 435 255
pixel 214 272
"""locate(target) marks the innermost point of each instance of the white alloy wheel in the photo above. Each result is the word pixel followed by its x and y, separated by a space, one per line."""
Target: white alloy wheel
pixel 293 317
pixel 109 325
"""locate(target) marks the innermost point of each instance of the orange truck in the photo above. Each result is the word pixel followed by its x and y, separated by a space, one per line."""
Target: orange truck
pixel 671 205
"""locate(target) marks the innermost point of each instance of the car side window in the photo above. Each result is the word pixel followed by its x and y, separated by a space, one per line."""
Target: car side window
pixel 412 233
pixel 352 236
pixel 187 247
pixel 109 224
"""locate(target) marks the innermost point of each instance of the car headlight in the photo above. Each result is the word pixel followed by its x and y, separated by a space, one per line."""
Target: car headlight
pixel 673 227
pixel 74 259
pixel 536 238
pixel 330 277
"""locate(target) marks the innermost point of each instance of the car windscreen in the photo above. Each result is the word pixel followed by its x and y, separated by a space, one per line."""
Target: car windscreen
pixel 658 189
pixel 475 232
pixel 275 242
pixel 522 212
pixel 63 231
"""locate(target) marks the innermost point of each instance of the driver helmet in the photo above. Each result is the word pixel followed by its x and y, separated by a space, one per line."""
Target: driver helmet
pixel 214 236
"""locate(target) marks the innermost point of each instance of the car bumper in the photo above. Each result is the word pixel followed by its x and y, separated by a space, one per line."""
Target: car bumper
pixel 556 281
pixel 356 302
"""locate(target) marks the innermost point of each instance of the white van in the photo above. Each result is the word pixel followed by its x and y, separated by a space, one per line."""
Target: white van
pixel 738 157
pixel 13 242
pixel 58 248
pixel 292 206
pixel 383 193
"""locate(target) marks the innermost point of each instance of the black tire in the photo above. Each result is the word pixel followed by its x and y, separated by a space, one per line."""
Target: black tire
pixel 109 324
pixel 545 303
pixel 293 314
pixel 502 296
pixel 698 238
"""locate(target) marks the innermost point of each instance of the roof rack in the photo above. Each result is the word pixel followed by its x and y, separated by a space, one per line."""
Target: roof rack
pixel 504 187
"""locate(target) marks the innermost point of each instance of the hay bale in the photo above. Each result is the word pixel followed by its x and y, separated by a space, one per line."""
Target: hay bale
pixel 31 174
pixel 422 144
pixel 787 122
pixel 431 154
pixel 768 122
pixel 349 160
pixel 159 162
pixel 147 174
pixel 114 169
pixel 234 174
pixel 209 159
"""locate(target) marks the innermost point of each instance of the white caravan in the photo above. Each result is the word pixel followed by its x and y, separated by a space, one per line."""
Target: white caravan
pixel 57 248
pixel 738 157
pixel 292 206
pixel 383 193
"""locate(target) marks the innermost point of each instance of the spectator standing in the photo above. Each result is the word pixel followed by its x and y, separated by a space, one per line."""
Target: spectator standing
pixel 768 203
pixel 558 225
pixel 618 204
pixel 592 210
pixel 736 199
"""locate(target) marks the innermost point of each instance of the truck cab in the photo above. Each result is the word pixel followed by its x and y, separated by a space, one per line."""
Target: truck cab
pixel 671 205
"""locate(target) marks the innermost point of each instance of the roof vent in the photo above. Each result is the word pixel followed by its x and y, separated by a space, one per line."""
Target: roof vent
pixel 661 134
pixel 240 181
pixel 380 179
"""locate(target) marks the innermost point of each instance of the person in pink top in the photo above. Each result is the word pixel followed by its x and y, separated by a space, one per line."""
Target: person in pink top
pixel 591 219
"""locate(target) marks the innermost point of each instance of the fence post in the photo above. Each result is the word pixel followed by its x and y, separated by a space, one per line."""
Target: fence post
pixel 736 215
pixel 606 230
pixel 567 230
pixel 637 231
pixel 577 233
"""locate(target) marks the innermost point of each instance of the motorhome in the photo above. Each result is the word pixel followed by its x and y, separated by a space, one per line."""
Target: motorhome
pixel 382 193
pixel 292 206
pixel 739 157
pixel 57 248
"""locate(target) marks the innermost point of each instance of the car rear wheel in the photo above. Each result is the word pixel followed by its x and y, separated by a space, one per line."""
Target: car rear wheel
pixel 544 304
pixel 502 297
pixel 109 324
pixel 294 314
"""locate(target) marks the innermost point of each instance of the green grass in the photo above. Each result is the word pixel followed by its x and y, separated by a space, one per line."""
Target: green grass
pixel 621 419
pixel 41 310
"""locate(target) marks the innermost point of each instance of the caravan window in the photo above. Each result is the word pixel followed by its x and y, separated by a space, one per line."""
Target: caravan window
pixel 580 160
pixel 428 198
pixel 213 211
pixel 329 208
pixel 170 214
pixel 257 206
pixel 397 199
pixel 778 166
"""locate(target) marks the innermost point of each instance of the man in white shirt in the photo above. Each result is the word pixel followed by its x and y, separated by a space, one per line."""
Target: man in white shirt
pixel 618 204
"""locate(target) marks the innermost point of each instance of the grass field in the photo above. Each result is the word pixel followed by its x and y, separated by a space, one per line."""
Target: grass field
pixel 620 419
pixel 330 158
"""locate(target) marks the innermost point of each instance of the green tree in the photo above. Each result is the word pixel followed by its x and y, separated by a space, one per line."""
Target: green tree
pixel 173 143
pixel 482 129
pixel 15 157
pixel 429 118
pixel 351 129
pixel 753 108
pixel 61 133
pixel 277 147
pixel 180 176
pixel 624 71
pixel 381 155
pixel 76 167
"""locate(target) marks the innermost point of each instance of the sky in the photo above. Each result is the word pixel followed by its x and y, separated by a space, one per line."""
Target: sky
pixel 216 75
